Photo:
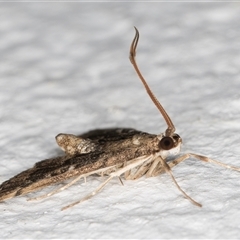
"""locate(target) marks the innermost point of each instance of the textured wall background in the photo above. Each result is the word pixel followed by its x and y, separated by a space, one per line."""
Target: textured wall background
pixel 64 68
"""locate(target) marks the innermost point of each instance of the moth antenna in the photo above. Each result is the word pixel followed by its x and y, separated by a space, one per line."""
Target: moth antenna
pixel 171 129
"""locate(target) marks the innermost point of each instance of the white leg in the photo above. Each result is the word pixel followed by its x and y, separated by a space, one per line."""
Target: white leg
pixel 207 159
pixel 134 163
pixel 152 168
pixel 167 168
pixel 139 172
pixel 89 195
pixel 70 183
pixel 57 190
pixel 158 168
pixel 169 171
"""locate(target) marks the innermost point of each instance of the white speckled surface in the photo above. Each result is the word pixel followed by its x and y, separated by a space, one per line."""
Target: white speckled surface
pixel 64 68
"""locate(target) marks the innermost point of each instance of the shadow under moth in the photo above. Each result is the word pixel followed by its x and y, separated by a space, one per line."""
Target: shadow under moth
pixel 108 152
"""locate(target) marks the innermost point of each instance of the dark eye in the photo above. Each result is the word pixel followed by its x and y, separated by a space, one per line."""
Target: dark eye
pixel 166 143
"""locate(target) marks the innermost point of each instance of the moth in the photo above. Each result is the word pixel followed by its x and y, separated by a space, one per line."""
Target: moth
pixel 107 152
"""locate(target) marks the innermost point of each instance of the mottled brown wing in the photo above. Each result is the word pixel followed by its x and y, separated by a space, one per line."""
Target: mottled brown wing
pixel 47 172
pixel 114 145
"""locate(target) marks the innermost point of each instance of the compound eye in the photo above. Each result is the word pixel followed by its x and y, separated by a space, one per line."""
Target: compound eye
pixel 166 143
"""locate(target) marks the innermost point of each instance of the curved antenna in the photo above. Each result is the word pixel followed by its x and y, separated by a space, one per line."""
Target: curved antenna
pixel 171 129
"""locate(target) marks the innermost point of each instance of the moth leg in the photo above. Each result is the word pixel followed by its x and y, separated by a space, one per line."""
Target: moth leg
pixel 166 167
pixel 206 159
pixel 57 190
pixel 70 184
pixel 152 168
pixel 89 195
pixel 134 163
pixel 120 180
pixel 201 158
pixel 156 163
pixel 139 172
pixel 160 169
pixel 169 171
pixel 127 174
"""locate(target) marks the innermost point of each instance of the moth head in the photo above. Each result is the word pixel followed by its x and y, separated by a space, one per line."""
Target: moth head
pixel 170 144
